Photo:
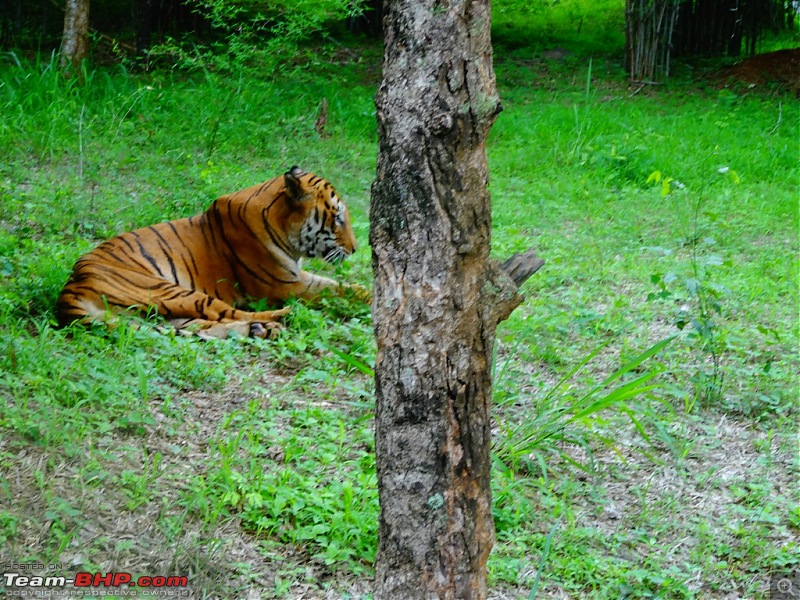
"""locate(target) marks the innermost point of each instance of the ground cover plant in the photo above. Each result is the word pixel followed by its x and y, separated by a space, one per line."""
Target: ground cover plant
pixel 247 465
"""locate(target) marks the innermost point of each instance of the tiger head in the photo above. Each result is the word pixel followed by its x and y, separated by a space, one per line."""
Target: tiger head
pixel 319 217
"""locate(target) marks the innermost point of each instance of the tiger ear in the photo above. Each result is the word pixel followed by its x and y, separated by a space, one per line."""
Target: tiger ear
pixel 292 181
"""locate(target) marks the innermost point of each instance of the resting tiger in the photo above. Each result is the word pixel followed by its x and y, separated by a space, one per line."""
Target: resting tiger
pixel 195 271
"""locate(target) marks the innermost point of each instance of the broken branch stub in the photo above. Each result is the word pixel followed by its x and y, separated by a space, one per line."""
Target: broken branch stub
pixel 505 280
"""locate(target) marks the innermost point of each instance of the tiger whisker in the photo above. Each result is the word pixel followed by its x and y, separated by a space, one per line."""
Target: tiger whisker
pixel 335 255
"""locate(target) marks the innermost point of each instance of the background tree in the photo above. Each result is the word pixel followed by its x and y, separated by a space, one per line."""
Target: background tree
pixel 728 27
pixel 658 29
pixel 144 27
pixel 75 42
pixel 649 26
pixel 438 299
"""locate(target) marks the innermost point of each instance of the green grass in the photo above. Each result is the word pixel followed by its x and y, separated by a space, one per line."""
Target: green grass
pixel 251 462
pixel 531 29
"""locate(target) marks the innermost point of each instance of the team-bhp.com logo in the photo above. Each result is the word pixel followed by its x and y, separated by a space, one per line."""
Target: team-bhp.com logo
pixel 93 580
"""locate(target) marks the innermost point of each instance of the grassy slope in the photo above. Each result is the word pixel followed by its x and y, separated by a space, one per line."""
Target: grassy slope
pixel 569 169
pixel 136 450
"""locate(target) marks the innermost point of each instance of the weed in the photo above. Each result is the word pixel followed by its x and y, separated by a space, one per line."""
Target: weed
pixel 558 410
pixel 704 308
pixel 545 553
pixel 320 493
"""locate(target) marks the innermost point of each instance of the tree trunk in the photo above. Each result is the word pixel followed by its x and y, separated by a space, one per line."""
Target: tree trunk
pixel 144 16
pixel 649 27
pixel 438 299
pixel 75 43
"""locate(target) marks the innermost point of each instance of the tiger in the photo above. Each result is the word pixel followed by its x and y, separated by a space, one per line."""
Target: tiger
pixel 195 272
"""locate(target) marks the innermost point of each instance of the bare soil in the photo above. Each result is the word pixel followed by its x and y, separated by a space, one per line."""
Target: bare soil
pixel 780 68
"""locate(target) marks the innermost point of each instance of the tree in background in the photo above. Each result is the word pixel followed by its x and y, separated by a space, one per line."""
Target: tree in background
pixel 727 27
pixel 438 299
pixel 184 31
pixel 649 26
pixel 658 29
pixel 209 33
pixel 260 33
pixel 75 42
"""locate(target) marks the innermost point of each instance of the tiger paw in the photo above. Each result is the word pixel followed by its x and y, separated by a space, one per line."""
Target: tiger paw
pixel 266 331
pixel 360 293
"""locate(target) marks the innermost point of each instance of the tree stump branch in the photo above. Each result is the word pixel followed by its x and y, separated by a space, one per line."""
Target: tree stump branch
pixel 504 281
pixel 521 266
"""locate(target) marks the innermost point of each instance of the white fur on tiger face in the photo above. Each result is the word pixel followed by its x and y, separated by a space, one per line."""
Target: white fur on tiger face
pixel 320 234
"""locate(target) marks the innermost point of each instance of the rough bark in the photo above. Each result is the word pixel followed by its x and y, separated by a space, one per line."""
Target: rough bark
pixel 75 42
pixel 438 298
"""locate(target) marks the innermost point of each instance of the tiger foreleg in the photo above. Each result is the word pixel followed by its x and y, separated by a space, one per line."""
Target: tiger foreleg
pixel 312 287
pixel 261 324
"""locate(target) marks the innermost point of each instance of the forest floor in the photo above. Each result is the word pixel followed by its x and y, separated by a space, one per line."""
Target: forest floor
pixel 730 465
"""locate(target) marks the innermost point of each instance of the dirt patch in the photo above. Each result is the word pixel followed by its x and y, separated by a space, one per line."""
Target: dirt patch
pixel 781 68
pixel 110 525
pixel 721 455
pixel 121 507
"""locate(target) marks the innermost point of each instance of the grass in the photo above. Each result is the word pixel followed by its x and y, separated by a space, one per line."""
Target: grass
pixel 248 465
